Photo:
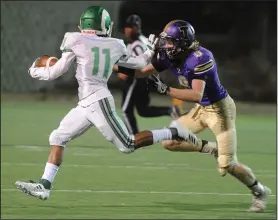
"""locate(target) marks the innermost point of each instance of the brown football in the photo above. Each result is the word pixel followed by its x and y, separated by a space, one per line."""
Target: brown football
pixel 46 61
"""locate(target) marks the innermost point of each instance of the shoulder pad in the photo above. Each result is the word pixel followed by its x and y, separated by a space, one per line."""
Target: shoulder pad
pixel 197 53
pixel 120 42
pixel 69 41
pixel 201 61
pixel 200 58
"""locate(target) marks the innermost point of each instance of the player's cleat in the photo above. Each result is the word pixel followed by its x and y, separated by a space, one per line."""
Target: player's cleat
pixel 184 133
pixel 176 113
pixel 33 189
pixel 259 201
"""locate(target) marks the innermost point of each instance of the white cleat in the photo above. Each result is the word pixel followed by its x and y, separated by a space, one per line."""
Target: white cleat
pixel 33 189
pixel 259 202
pixel 184 132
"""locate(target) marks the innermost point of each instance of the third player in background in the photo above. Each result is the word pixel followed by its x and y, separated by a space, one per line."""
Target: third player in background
pixel 135 91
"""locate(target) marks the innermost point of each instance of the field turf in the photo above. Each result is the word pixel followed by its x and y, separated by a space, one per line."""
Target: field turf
pixel 97 181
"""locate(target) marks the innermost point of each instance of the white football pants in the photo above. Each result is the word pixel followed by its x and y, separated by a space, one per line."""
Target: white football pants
pixel 101 114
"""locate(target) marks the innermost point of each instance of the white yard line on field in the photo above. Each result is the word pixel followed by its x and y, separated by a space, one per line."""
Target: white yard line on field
pixel 165 167
pixel 141 192
pixel 88 166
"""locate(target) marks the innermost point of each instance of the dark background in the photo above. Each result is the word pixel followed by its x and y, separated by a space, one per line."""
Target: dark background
pixel 241 34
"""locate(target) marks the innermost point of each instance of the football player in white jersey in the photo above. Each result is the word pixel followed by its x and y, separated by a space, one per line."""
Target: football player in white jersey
pixel 95 54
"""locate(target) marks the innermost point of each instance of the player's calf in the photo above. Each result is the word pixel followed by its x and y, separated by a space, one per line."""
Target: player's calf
pixel 146 138
pixel 228 164
pixel 55 159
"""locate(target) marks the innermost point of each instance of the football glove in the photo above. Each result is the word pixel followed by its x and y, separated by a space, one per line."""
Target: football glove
pixel 33 66
pixel 159 85
pixel 152 42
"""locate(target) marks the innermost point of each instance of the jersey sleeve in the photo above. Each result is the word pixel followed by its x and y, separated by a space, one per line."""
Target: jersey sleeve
pixel 201 65
pixel 122 48
pixel 62 65
pixel 158 64
pixel 70 39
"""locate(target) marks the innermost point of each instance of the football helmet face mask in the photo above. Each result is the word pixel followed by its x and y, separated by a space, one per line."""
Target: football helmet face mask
pixel 96 20
pixel 177 36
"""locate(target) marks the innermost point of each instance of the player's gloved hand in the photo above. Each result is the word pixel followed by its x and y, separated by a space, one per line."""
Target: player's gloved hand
pixel 152 42
pixel 31 69
pixel 158 84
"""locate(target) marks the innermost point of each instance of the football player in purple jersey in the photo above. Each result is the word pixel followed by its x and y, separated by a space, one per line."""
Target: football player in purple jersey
pixel 196 70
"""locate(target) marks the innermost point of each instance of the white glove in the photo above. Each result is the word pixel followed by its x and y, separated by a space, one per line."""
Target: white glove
pixel 32 68
pixel 152 42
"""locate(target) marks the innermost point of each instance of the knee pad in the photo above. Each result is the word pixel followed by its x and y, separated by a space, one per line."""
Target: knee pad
pixel 57 139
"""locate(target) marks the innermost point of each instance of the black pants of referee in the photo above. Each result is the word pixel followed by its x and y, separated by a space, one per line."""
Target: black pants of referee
pixel 136 95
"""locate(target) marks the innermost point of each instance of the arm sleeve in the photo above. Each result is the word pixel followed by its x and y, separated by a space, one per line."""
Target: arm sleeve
pixel 157 64
pixel 53 72
pixel 62 65
pixel 126 71
pixel 134 62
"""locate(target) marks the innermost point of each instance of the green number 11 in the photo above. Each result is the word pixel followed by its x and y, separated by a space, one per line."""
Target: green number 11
pixel 105 52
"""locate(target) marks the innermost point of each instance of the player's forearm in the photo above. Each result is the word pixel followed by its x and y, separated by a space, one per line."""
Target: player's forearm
pixel 134 63
pixel 188 95
pixel 146 71
pixel 53 72
pixel 138 62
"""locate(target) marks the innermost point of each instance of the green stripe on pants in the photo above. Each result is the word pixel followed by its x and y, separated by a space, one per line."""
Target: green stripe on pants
pixel 114 123
pixel 120 124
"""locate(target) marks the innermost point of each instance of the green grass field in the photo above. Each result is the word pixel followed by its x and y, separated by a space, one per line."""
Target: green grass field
pixel 97 181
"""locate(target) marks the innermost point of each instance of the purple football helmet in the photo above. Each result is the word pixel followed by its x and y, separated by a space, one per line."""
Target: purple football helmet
pixel 177 36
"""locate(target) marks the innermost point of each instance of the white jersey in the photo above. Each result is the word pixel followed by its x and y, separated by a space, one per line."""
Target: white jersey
pixel 95 57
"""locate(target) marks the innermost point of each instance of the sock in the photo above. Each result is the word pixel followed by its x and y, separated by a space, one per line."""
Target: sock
pixel 256 188
pixel 162 134
pixel 204 142
pixel 49 174
pixel 207 147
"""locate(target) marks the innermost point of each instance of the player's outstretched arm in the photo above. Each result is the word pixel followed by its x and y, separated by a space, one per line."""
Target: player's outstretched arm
pixel 146 71
pixel 142 73
pixel 189 95
pixel 53 72
pixel 137 62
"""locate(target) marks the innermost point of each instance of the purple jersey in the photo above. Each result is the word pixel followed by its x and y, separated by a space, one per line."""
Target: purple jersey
pixel 200 64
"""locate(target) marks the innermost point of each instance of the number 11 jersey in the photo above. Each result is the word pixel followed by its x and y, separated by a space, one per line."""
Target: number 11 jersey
pixel 94 57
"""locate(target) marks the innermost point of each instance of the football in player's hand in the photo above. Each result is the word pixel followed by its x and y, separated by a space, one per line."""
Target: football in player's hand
pixel 46 61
